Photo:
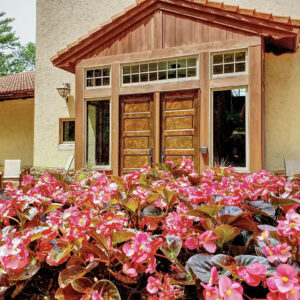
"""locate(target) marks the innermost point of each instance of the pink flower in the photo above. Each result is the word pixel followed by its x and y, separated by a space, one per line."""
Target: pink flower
pixel 97 296
pixel 207 240
pixel 153 285
pixel 131 272
pixel 211 293
pixel 283 280
pixel 265 234
pixel 278 252
pixel 230 290
pixel 253 274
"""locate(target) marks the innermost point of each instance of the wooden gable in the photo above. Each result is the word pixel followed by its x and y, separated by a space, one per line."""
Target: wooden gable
pixel 156 24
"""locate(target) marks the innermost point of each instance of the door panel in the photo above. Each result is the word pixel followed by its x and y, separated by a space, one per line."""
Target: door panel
pixel 136 132
pixel 179 134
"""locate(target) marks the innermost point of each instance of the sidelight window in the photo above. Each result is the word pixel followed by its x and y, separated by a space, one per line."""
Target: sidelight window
pixel 98 133
pixel 230 130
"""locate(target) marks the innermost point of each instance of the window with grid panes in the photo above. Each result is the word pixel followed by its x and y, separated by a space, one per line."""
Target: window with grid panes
pixel 98 77
pixel 175 69
pixel 229 63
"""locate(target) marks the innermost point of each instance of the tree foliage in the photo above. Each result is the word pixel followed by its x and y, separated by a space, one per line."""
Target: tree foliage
pixel 14 57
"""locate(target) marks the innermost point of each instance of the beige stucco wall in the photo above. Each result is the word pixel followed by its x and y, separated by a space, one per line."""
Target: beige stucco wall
pixel 16 131
pixel 59 23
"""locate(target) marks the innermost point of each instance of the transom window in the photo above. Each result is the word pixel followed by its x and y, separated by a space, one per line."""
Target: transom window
pixel 229 63
pixel 181 68
pixel 98 77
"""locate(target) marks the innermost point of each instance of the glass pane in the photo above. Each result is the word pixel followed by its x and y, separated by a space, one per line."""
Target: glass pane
pixel 162 75
pixel 192 72
pixel 144 77
pixel 90 73
pixel 229 68
pixel 106 81
pixel 153 76
pixel 229 57
pixel 191 62
pixel 218 69
pixel 218 59
pixel 106 72
pixel 68 131
pixel 153 67
pixel 135 78
pixel 126 70
pixel 126 79
pixel 182 73
pixel 90 82
pixel 144 68
pixel 181 63
pixel 98 73
pixel 172 64
pixel 135 69
pixel 162 65
pixel 229 127
pixel 240 56
pixel 172 74
pixel 240 67
pixel 98 133
pixel 98 82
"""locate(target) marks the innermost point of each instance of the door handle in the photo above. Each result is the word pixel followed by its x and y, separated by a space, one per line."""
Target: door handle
pixel 163 157
pixel 151 155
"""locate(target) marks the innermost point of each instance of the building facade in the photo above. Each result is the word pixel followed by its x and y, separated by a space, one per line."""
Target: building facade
pixel 221 77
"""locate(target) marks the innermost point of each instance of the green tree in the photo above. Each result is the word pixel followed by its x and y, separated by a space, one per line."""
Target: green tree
pixel 14 58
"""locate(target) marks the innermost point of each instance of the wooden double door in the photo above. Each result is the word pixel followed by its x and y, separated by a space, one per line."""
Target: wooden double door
pixel 153 130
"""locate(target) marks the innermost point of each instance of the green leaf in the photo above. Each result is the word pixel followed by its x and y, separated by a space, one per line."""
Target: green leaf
pixel 153 197
pixel 168 194
pixel 261 207
pixel 133 204
pixel 69 274
pixel 107 289
pixel 28 272
pixel 205 210
pixel 121 236
pixel 247 260
pixel 82 284
pixel 37 232
pixel 283 201
pixel 171 247
pixel 61 251
pixel 201 265
pixel 52 207
pixel 226 233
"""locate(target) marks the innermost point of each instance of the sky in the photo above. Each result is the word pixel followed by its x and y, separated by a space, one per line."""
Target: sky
pixel 24 12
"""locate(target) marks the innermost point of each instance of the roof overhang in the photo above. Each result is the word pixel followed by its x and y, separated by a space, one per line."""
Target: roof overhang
pixel 280 34
pixel 16 95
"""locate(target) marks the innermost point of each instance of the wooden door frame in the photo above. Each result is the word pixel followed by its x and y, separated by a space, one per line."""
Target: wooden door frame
pixel 204 83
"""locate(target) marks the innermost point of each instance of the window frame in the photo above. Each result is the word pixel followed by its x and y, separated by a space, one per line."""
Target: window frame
pixel 61 133
pixel 227 51
pixel 97 167
pixel 163 59
pixel 100 67
pixel 211 124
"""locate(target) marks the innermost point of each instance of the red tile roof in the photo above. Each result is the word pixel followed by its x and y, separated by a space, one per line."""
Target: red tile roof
pixel 20 85
pixel 282 31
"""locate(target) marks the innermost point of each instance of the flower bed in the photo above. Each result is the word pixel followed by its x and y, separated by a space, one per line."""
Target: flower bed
pixel 161 233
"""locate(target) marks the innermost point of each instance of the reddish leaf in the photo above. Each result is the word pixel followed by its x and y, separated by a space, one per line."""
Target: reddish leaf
pixel 107 289
pixel 82 284
pixel 68 293
pixel 123 278
pixel 226 233
pixel 121 236
pixel 69 274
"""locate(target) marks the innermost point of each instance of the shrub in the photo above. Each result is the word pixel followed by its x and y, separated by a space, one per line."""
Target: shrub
pixel 156 233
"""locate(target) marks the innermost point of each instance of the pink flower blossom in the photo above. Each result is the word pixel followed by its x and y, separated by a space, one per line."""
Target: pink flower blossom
pixel 253 274
pixel 153 285
pixel 206 240
pixel 278 252
pixel 230 290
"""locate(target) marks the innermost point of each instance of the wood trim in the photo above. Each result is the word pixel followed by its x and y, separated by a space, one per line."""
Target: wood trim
pixel 79 119
pixel 157 127
pixel 61 120
pixel 204 109
pixel 174 51
pixel 160 87
pixel 97 93
pixel 228 81
pixel 115 118
pixel 255 91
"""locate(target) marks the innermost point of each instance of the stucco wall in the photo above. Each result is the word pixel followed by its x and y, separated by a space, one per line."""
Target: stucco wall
pixel 282 106
pixel 59 23
pixel 16 131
